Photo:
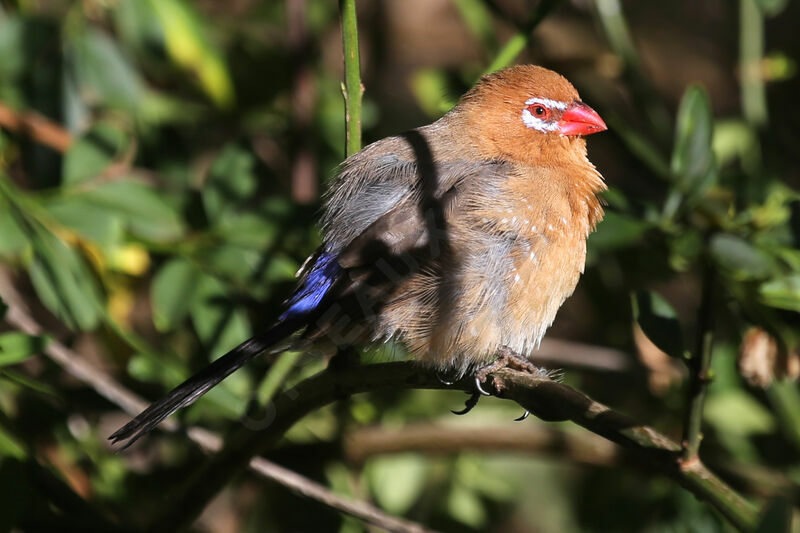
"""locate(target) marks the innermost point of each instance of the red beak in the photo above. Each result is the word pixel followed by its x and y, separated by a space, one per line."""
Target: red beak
pixel 580 119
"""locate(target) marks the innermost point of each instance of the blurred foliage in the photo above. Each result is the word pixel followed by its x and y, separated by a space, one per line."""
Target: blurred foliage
pixel 169 229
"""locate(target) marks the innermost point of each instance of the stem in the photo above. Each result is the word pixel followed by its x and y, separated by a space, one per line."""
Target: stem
pixel 352 89
pixel 751 50
pixel 699 365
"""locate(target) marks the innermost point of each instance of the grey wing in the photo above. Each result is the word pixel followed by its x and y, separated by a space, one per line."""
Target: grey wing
pixel 396 180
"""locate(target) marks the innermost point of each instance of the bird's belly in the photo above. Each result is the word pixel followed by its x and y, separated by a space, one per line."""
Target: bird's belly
pixel 472 304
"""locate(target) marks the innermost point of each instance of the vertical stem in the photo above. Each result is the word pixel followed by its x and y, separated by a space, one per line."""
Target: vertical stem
pixel 352 87
pixel 699 367
pixel 751 51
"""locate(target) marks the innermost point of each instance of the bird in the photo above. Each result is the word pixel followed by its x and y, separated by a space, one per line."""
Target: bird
pixel 459 239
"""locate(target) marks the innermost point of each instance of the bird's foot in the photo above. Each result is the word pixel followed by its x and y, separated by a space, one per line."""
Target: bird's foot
pixel 506 358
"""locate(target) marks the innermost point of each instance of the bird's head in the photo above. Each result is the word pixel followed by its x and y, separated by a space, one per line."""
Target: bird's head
pixel 520 112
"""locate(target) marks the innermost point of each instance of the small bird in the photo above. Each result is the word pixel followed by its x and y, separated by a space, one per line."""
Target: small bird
pixel 460 239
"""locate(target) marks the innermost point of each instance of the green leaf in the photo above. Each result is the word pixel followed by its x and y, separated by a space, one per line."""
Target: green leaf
pixel 740 259
pixel 189 47
pixel 771 7
pixel 783 293
pixel 142 208
pixel 736 412
pixel 13 240
pixel 64 283
pixel 92 153
pixel 231 182
pixel 465 506
pixel 173 292
pixel 92 222
pixel 693 164
pixel 659 322
pixel 15 347
pixel 776 518
pixel 618 230
pixel 218 322
pixel 397 480
pixel 10 446
pixel 103 74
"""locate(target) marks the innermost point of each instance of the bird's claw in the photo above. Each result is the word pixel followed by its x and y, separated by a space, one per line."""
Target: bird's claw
pixel 471 402
pixel 478 388
pixel 523 417
pixel 443 380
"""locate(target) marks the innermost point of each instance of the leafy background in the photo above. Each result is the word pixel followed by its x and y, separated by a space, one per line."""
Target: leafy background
pixel 161 169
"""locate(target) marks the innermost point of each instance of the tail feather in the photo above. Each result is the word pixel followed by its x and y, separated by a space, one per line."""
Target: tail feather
pixel 194 387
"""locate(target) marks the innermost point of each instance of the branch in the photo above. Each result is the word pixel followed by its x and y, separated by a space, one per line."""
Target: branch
pixel 699 367
pixel 352 87
pixel 546 398
pixel 38 127
pixel 18 317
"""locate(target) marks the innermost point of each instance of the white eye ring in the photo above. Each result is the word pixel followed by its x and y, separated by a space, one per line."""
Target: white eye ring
pixel 536 123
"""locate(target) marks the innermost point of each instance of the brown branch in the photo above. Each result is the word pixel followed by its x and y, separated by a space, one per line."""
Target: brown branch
pixel 36 126
pixel 546 398
pixel 18 317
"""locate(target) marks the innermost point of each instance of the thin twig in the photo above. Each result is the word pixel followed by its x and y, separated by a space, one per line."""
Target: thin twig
pixel 699 367
pixel 18 317
pixel 36 126
pixel 546 398
pixel 352 87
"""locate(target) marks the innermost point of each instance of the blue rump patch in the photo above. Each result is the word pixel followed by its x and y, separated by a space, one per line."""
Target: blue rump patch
pixel 307 297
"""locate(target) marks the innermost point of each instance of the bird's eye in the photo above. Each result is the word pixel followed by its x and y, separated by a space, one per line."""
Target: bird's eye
pixel 539 111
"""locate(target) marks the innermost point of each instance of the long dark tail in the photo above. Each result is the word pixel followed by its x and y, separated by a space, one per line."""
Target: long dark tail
pixel 202 382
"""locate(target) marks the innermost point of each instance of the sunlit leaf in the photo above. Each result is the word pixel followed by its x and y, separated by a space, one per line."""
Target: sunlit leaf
pixel 466 507
pixel 189 46
pixel 397 480
pixel 15 347
pixel 659 322
pixel 736 412
pixel 783 293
